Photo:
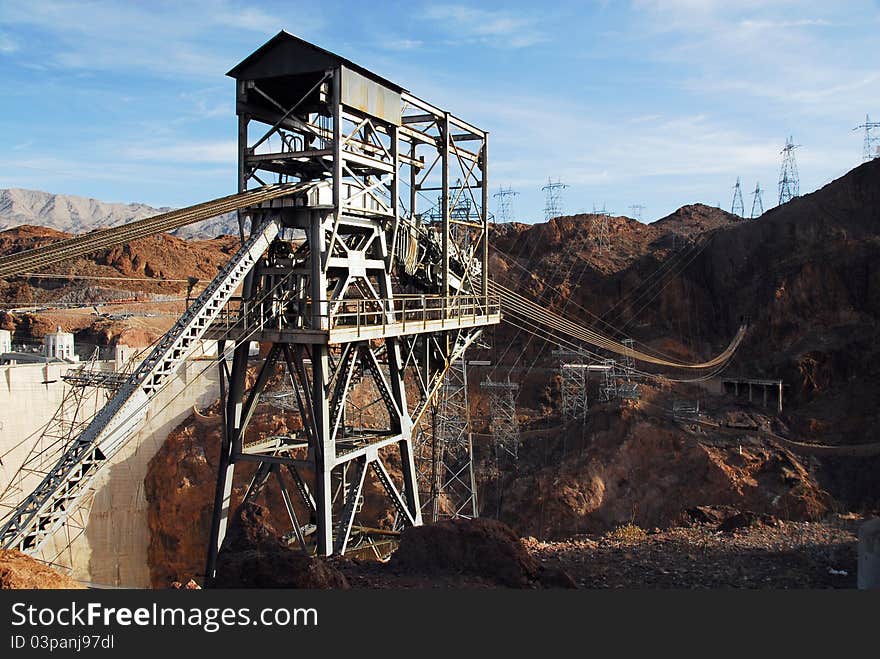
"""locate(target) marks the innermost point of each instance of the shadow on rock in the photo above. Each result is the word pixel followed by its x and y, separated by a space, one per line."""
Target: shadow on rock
pixel 254 556
pixel 483 548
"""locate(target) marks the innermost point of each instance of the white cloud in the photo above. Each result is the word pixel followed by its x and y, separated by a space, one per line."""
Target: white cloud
pixel 216 152
pixel 248 18
pixel 7 45
pixel 492 27
pixel 164 39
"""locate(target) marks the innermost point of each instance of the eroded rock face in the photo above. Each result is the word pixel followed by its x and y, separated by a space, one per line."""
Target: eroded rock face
pixel 647 471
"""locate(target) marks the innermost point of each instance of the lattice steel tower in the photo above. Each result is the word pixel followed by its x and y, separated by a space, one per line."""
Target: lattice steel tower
pixel 736 207
pixel 553 204
pixel 449 480
pixel 573 374
pixel 505 204
pixel 871 146
pixel 504 421
pixel 789 182
pixel 757 202
pixel 636 210
pixel 602 228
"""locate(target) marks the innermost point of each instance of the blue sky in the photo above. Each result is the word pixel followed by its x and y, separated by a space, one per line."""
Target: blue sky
pixel 651 102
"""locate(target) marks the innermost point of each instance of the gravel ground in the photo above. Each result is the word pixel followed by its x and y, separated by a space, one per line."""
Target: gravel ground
pixel 758 552
pixel 772 554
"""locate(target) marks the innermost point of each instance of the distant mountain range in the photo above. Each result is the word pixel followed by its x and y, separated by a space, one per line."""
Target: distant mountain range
pixel 73 214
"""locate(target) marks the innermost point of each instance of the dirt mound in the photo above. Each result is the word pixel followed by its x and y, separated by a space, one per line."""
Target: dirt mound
pixel 482 547
pixel 254 556
pixel 19 571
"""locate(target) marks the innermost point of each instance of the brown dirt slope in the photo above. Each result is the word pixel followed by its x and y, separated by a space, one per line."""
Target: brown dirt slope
pixel 19 571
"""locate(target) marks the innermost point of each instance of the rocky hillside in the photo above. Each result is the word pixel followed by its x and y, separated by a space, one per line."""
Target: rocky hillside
pixel 804 274
pixel 72 214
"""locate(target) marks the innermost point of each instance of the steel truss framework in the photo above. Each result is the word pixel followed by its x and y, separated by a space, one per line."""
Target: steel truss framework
pixel 504 421
pixel 505 204
pixel 456 494
pixel 789 181
pixel 573 374
pixel 553 205
pixel 602 229
pixel 736 206
pixel 757 202
pixel 378 291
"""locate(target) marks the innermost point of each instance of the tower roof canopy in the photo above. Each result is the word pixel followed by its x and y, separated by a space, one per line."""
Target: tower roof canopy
pixel 285 54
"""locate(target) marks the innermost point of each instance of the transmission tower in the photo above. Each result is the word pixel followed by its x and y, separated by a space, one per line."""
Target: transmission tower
pixel 603 228
pixel 553 206
pixel 789 183
pixel 627 387
pixel 505 204
pixel 871 148
pixel 456 483
pixel 736 206
pixel 608 388
pixel 757 202
pixel 573 370
pixel 637 211
pixel 504 422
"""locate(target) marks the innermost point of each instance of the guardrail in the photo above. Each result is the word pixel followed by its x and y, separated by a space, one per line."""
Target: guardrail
pixel 415 313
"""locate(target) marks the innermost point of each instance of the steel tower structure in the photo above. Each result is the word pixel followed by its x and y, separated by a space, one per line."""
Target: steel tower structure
pixel 455 492
pixel 553 205
pixel 356 281
pixel 757 202
pixel 573 374
pixel 504 421
pixel 871 145
pixel 601 221
pixel 736 207
pixel 789 181
pixel 505 204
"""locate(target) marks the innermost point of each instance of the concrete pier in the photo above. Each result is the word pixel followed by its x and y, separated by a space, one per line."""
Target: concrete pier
pixel 869 555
